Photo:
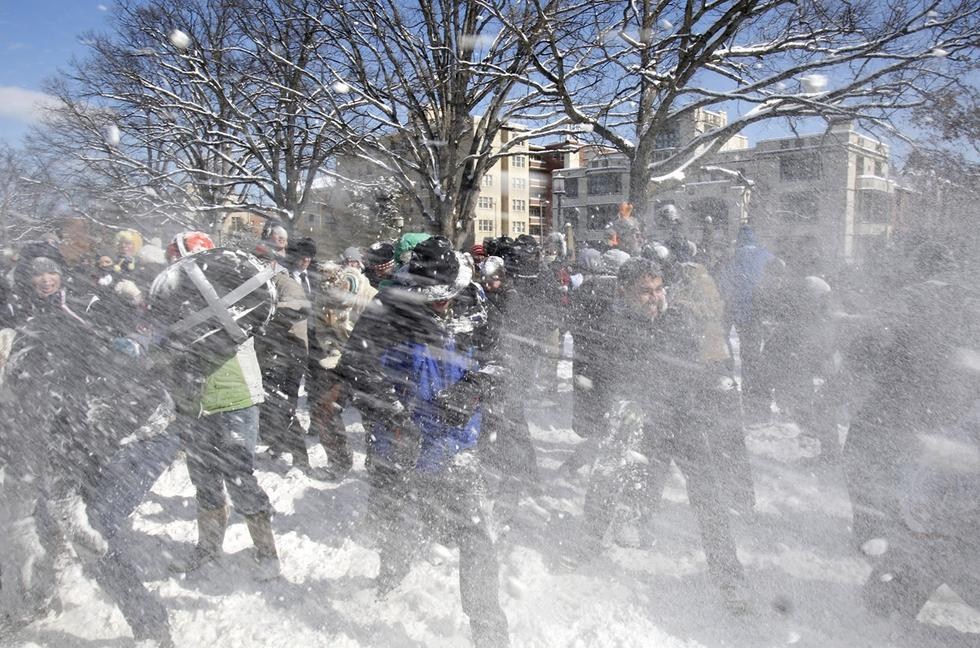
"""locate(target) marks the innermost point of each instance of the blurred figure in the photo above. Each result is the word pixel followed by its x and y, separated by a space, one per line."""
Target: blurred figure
pixel 665 383
pixel 399 359
pixel 341 297
pixel 352 257
pixel 379 263
pixel 479 254
pixel 97 442
pixel 738 281
pixel 276 237
pixel 282 350
pixel 128 244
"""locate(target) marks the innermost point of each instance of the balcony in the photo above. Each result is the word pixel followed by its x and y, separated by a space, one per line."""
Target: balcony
pixel 874 183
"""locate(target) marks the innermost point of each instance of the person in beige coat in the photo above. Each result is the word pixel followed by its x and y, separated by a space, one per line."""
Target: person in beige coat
pixel 344 294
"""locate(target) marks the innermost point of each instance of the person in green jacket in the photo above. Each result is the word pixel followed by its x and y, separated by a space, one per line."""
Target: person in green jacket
pixel 217 385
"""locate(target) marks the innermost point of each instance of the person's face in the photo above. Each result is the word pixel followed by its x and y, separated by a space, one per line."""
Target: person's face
pixel 441 307
pixel 126 248
pixel 279 241
pixel 649 296
pixel 303 263
pixel 46 283
pixel 493 284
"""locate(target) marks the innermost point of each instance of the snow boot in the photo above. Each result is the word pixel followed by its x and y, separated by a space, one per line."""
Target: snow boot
pixel 211 525
pixel 260 528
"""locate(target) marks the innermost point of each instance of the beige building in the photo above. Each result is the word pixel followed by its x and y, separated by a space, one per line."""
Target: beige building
pixel 831 187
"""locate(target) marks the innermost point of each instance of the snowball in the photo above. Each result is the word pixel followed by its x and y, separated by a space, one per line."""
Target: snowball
pixel 814 82
pixel 933 14
pixel 665 24
pixel 939 52
pixel 340 87
pixel 793 638
pixel 875 547
pixel 112 135
pixel 179 39
pixel 635 457
pixel 583 382
pixel 515 587
pixel 886 578
pixel 440 553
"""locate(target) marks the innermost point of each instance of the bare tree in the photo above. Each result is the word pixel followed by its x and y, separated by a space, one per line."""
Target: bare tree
pixel 194 108
pixel 628 71
pixel 438 82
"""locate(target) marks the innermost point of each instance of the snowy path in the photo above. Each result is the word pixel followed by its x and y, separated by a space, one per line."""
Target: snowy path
pixel 796 553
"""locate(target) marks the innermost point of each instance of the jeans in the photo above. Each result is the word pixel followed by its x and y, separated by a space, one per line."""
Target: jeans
pixel 221 455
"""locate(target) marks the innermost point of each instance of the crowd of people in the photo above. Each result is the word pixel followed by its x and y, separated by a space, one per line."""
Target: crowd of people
pixel 108 371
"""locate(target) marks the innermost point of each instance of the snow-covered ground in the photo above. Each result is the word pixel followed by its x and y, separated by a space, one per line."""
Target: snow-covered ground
pixel 805 577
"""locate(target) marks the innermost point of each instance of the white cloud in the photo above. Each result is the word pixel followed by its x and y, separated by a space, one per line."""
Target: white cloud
pixel 23 104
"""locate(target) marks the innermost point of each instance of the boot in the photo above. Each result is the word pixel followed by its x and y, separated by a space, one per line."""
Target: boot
pixel 211 525
pixel 260 528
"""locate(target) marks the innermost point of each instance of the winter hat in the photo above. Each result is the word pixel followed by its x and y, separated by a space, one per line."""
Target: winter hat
pixel 353 253
pixel 478 250
pixel 379 254
pixel 613 260
pixel 436 271
pixel 187 243
pixel 43 265
pixel 405 245
pixel 305 247
pixel 523 258
pixel 492 268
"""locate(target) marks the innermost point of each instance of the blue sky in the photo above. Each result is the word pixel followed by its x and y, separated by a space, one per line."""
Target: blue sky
pixel 36 38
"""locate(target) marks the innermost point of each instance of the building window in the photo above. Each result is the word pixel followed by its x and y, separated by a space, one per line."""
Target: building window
pixel 666 139
pixel 571 187
pixel 520 161
pixel 485 202
pixel 487 180
pixel 485 225
pixel 519 183
pixel 799 206
pixel 601 215
pixel 519 205
pixel 802 166
pixel 873 206
pixel 519 227
pixel 879 169
pixel 602 184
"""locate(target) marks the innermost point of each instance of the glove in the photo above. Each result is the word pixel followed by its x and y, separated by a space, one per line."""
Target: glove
pixel 458 401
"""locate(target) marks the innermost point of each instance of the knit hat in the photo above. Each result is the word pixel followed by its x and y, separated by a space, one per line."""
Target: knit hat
pixel 380 257
pixel 478 250
pixel 353 253
pixel 44 265
pixel 436 271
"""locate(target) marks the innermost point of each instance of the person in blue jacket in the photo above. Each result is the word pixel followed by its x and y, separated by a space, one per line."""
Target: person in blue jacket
pixel 404 355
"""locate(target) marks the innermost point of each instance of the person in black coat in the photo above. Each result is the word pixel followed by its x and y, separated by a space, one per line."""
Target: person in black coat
pixel 661 394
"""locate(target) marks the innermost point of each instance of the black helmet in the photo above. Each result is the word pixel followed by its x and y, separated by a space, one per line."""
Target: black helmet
pixel 522 259
pixel 216 295
pixel 434 262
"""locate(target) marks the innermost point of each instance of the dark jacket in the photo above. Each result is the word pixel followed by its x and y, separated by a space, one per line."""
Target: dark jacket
pixel 399 357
